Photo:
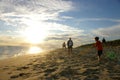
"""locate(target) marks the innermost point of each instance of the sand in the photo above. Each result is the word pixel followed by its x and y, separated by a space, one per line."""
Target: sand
pixel 58 65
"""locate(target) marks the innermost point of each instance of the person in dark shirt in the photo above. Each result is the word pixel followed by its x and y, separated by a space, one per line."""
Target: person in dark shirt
pixel 70 45
pixel 103 40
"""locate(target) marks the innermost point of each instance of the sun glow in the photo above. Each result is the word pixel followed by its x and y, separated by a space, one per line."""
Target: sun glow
pixel 35 33
pixel 34 50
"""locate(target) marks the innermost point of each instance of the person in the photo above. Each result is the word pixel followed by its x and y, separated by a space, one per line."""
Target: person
pixel 99 47
pixel 70 45
pixel 64 45
pixel 103 40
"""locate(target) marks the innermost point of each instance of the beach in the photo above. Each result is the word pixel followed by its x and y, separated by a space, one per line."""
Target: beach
pixel 82 64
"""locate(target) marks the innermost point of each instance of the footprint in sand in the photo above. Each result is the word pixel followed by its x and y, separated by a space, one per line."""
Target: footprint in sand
pixel 9 72
pixel 92 77
pixel 22 68
pixel 30 64
pixel 5 68
pixel 39 66
pixel 68 72
pixel 114 74
pixel 91 65
pixel 90 71
pixel 49 71
pixel 23 75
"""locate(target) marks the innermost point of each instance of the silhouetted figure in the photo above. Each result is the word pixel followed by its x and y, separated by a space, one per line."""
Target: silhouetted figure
pixel 64 45
pixel 103 40
pixel 69 44
pixel 99 47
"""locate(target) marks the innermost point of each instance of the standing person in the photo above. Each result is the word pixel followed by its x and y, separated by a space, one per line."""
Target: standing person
pixel 69 44
pixel 99 47
pixel 64 45
pixel 103 40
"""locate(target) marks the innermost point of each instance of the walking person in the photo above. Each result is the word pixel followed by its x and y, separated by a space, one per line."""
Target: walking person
pixel 99 47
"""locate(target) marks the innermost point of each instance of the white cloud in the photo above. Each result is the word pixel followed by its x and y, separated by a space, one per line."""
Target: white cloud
pixel 18 13
pixel 113 31
pixel 46 9
pixel 98 19
pixel 67 17
pixel 25 13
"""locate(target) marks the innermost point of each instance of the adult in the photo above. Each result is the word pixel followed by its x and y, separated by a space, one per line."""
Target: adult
pixel 70 45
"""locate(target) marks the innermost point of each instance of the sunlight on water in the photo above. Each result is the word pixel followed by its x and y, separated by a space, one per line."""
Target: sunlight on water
pixel 35 50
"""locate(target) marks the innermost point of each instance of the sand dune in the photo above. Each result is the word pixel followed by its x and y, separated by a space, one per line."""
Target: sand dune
pixel 58 65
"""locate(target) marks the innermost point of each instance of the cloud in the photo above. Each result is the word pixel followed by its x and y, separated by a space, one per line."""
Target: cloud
pixel 98 19
pixel 40 9
pixel 61 32
pixel 9 38
pixel 30 5
pixel 20 13
pixel 113 31
pixel 66 17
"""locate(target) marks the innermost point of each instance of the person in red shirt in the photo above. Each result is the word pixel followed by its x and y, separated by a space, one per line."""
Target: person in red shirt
pixel 99 47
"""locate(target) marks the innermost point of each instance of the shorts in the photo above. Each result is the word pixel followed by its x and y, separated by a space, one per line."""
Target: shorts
pixel 69 47
pixel 99 52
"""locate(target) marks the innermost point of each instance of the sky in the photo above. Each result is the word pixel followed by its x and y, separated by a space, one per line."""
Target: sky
pixel 49 23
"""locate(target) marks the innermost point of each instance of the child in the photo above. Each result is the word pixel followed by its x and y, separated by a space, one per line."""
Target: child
pixel 99 47
pixel 64 45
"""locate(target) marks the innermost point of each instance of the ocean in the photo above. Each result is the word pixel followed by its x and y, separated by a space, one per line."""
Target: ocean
pixel 11 51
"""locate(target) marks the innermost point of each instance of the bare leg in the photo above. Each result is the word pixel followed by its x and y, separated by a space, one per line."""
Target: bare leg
pixel 71 50
pixel 99 58
pixel 68 51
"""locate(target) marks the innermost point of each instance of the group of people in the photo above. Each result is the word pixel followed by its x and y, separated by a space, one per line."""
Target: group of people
pixel 69 45
pixel 98 46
